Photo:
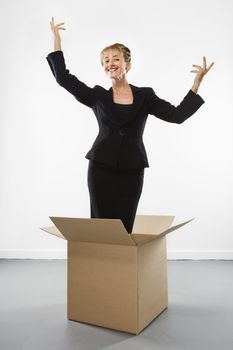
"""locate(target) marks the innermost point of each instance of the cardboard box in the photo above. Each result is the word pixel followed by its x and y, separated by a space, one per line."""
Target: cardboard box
pixel 115 279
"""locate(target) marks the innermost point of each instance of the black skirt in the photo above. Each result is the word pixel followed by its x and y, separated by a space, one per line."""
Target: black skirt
pixel 114 192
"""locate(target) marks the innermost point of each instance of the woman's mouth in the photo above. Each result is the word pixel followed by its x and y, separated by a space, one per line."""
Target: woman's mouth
pixel 112 69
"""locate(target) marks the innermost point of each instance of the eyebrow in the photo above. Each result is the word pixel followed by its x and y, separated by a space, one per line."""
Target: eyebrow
pixel 113 56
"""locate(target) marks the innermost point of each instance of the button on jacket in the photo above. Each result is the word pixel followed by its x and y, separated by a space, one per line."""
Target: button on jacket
pixel 120 141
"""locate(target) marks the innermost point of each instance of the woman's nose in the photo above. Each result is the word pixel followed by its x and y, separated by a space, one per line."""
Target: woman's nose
pixel 111 61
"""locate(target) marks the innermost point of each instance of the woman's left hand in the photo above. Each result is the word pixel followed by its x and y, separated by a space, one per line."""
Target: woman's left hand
pixel 200 73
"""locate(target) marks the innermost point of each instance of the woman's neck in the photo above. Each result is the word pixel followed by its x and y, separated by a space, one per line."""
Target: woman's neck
pixel 119 85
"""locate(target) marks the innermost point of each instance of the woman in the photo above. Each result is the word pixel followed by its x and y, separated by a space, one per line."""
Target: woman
pixel 117 158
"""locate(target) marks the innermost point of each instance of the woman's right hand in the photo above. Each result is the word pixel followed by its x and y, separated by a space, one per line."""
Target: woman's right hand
pixel 56 27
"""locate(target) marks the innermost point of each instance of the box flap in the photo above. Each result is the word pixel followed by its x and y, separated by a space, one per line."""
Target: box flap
pixel 140 239
pixel 153 227
pixel 53 230
pixel 173 228
pixel 110 231
pixel 152 224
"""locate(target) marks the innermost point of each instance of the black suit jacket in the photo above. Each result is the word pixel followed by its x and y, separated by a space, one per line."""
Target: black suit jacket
pixel 120 142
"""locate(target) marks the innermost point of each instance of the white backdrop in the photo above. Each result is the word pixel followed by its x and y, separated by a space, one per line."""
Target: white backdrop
pixel 45 132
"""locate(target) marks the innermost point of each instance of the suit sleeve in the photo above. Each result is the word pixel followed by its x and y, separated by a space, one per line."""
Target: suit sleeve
pixel 174 114
pixel 71 83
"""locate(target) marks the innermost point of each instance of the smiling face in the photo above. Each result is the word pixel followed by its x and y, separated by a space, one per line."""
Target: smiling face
pixel 114 64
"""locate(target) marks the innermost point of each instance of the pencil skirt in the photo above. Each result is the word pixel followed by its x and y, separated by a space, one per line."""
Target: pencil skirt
pixel 114 192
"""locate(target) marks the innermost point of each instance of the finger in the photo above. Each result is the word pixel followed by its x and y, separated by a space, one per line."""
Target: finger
pixel 204 62
pixel 194 71
pixel 58 27
pixel 60 23
pixel 195 65
pixel 211 65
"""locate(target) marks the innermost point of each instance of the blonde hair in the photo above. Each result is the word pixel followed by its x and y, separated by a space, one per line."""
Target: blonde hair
pixel 120 47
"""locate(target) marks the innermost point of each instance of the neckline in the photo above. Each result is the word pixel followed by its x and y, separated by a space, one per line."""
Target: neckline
pixel 122 104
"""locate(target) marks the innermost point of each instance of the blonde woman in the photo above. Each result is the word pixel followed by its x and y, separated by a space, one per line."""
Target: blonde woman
pixel 117 158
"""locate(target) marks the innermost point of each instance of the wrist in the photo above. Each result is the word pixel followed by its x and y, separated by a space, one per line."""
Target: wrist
pixel 195 87
pixel 57 43
pixel 57 38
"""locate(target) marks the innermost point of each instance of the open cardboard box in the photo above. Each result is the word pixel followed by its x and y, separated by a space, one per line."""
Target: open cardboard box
pixel 115 279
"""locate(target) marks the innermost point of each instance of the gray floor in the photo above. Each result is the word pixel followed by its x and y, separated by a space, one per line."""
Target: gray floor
pixel 33 310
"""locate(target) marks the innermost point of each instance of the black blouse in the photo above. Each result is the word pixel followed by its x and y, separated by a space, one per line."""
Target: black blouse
pixel 124 111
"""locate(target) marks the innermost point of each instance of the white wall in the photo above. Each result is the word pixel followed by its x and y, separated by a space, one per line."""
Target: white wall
pixel 45 132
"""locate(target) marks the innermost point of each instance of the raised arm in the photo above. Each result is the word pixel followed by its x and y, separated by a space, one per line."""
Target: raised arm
pixel 64 78
pixel 189 105
pixel 174 114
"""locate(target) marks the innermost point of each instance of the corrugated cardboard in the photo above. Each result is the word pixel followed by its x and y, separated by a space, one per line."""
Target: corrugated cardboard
pixel 115 279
